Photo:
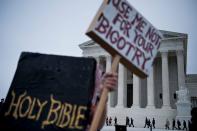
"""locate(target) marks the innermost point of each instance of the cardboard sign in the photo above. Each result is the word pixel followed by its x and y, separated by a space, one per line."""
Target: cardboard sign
pixel 49 93
pixel 121 29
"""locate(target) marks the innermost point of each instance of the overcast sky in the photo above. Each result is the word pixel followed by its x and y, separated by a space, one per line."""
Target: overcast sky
pixel 59 26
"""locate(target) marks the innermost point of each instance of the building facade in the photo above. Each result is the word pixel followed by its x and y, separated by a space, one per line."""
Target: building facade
pixel 168 92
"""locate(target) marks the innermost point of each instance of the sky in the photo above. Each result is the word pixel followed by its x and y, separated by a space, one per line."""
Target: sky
pixel 59 26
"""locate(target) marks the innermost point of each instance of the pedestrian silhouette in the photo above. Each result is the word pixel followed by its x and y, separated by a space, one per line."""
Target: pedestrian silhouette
pixel 146 121
pixel 179 124
pixel 115 121
pixel 167 125
pixel 107 121
pixel 132 122
pixel 173 124
pixel 184 125
pixel 127 121
pixel 110 120
pixel 153 123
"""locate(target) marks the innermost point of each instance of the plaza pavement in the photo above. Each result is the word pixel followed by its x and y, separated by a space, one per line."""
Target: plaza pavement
pixel 112 128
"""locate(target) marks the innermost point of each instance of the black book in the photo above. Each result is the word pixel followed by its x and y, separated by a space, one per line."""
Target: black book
pixel 49 93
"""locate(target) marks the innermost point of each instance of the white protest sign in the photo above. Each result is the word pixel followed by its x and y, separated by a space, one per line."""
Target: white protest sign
pixel 120 29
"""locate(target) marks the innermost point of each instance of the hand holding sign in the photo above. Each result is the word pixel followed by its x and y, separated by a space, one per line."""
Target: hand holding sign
pixel 109 80
pixel 126 34
pixel 103 99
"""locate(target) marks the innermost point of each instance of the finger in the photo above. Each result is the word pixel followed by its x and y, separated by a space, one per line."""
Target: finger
pixel 114 80
pixel 111 88
pixel 111 74
pixel 111 85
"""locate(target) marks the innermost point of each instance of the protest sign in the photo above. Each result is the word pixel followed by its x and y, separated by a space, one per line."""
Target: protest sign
pixel 49 93
pixel 120 29
pixel 123 32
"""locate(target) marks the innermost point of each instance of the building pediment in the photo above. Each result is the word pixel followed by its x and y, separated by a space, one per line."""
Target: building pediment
pixel 168 35
pixel 172 35
pixel 88 44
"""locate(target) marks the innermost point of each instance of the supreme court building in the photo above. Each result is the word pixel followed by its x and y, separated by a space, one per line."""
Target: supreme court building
pixel 168 92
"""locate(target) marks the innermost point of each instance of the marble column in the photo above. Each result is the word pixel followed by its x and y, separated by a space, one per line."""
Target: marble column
pixel 183 103
pixel 180 66
pixel 121 86
pixel 136 92
pixel 150 90
pixel 165 80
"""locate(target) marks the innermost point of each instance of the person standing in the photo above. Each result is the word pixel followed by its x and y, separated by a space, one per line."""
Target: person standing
pixel 110 121
pixel 153 123
pixel 132 122
pixel 146 121
pixel 167 125
pixel 184 125
pixel 115 121
pixel 173 124
pixel 179 125
pixel 127 121
pixel 107 121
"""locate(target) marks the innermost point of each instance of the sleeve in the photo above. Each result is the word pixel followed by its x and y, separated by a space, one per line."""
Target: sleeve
pixel 96 94
pixel 97 89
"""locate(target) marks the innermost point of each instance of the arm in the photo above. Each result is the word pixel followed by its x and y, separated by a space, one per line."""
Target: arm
pixel 109 81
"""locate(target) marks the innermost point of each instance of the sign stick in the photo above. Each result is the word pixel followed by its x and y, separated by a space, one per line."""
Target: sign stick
pixel 103 99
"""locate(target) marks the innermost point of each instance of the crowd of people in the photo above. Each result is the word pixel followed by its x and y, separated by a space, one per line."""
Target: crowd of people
pixel 150 123
pixel 129 121
pixel 109 121
pixel 176 125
